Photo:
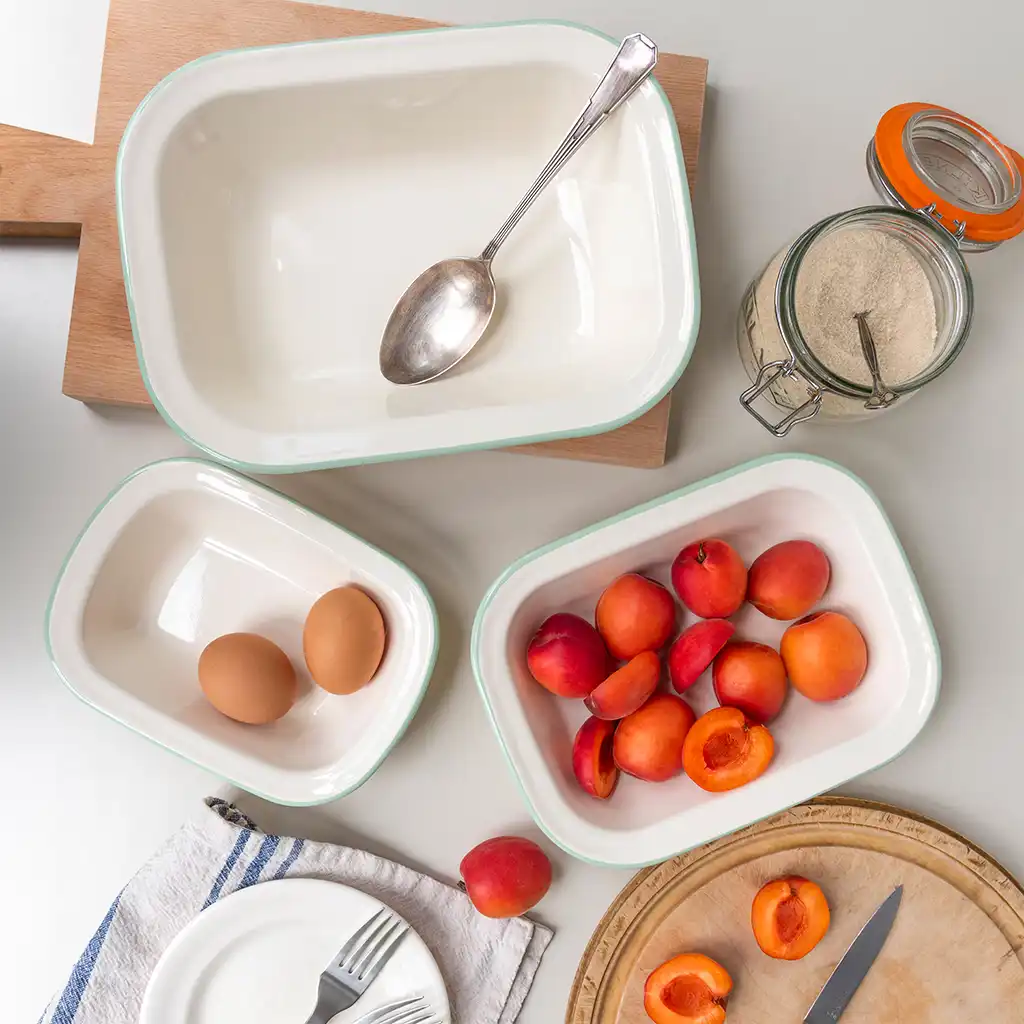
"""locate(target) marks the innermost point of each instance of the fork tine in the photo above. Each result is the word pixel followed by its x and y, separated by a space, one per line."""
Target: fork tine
pixel 412 1016
pixel 357 959
pixel 383 953
pixel 356 936
pixel 393 1013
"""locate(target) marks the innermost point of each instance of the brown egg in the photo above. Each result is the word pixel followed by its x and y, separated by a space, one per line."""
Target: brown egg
pixel 343 640
pixel 247 678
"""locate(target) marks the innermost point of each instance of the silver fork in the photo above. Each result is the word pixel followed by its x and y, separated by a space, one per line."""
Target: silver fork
pixel 356 964
pixel 404 1011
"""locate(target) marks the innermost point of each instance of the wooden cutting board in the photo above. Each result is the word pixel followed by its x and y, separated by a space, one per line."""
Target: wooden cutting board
pixel 51 187
pixel 955 954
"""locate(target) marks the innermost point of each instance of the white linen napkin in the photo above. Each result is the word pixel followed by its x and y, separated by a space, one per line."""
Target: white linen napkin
pixel 488 965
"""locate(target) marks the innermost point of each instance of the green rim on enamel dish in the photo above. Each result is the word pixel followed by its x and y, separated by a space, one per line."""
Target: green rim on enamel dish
pixel 427 673
pixel 531 556
pixel 601 428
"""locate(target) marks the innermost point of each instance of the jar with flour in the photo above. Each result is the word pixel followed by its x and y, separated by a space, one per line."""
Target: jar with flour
pixel 894 272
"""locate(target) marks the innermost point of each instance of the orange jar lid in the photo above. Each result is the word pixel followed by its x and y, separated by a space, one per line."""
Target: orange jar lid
pixel 934 159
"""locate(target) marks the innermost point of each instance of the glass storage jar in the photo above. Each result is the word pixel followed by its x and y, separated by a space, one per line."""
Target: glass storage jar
pixel 951 187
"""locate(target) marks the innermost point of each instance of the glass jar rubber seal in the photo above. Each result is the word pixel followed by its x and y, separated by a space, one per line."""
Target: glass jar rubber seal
pixel 936 161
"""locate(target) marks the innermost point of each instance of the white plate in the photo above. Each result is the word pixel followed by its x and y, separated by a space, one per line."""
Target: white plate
pixel 818 746
pixel 184 551
pixel 256 957
pixel 275 203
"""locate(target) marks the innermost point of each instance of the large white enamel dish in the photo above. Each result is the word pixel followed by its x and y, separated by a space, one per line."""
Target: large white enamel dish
pixel 275 203
pixel 183 552
pixel 818 746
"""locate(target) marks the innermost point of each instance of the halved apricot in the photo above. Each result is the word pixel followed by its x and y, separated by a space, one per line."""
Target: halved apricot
pixel 688 989
pixel 592 761
pixel 626 689
pixel 725 750
pixel 790 917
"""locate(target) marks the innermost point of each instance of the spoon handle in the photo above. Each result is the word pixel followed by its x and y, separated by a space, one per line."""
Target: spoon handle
pixel 632 64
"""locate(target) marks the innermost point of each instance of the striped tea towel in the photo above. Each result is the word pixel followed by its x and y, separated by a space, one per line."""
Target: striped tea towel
pixel 488 965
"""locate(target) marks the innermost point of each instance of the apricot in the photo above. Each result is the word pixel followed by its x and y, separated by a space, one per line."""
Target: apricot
pixel 825 656
pixel 626 688
pixel 750 677
pixel 790 917
pixel 789 579
pixel 635 614
pixel 506 876
pixel 688 989
pixel 710 578
pixel 592 760
pixel 567 656
pixel 649 743
pixel 694 650
pixel 725 750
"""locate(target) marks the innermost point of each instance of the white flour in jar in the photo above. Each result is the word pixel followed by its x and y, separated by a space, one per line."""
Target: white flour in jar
pixel 849 271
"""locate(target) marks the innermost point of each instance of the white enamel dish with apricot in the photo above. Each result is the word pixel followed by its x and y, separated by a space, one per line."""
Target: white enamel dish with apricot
pixel 705 660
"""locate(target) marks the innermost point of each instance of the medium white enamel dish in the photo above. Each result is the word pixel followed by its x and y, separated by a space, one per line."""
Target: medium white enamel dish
pixel 256 956
pixel 818 746
pixel 184 551
pixel 275 203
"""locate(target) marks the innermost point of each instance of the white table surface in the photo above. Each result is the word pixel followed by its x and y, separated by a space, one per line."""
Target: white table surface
pixel 795 90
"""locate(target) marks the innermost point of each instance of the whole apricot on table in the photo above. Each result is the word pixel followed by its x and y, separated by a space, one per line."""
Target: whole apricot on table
pixel 635 614
pixel 649 743
pixel 627 688
pixel 688 989
pixel 567 656
pixel 710 578
pixel 592 760
pixel 825 656
pixel 750 677
pixel 789 579
pixel 725 750
pixel 694 650
pixel 506 876
pixel 790 917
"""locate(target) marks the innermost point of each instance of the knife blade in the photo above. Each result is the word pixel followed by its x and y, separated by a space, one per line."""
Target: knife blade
pixel 844 981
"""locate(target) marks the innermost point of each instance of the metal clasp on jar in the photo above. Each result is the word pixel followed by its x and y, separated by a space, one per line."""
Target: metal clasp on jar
pixel 766 377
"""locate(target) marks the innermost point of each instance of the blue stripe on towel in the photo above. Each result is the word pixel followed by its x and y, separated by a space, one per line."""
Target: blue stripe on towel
pixel 222 876
pixel 79 980
pixel 259 862
pixel 293 853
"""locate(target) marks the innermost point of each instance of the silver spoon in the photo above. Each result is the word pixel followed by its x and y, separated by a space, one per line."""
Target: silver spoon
pixel 446 310
pixel 881 396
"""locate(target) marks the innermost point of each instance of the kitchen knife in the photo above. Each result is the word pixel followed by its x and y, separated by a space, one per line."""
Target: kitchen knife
pixel 857 960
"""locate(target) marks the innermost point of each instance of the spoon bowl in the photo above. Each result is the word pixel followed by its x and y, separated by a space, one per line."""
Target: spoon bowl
pixel 438 320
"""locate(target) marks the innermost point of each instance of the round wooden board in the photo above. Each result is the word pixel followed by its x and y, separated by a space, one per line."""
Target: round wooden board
pixel 955 954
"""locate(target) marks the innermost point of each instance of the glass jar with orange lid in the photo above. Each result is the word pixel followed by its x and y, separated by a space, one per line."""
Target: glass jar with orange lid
pixel 950 187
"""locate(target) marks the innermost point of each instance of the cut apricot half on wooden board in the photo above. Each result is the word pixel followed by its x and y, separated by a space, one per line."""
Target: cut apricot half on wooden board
pixel 790 917
pixel 725 750
pixel 688 989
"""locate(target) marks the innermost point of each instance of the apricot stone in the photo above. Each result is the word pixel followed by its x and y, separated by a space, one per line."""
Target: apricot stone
pixel 825 656
pixel 710 578
pixel 789 579
pixel 567 656
pixel 506 876
pixel 635 614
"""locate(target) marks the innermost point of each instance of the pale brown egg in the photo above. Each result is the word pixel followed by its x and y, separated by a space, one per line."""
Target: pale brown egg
pixel 343 640
pixel 247 678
